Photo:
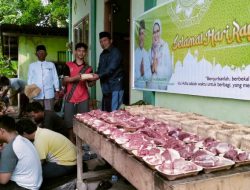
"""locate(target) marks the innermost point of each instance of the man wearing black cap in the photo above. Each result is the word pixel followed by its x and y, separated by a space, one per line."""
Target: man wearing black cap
pixel 111 74
pixel 44 75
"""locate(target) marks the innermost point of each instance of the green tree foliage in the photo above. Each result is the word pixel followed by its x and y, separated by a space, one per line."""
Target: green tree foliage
pixel 57 12
pixel 7 12
pixel 8 68
pixel 32 12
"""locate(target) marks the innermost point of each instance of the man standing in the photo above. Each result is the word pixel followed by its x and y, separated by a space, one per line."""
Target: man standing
pixel 44 75
pixel 20 167
pixel 111 74
pixel 142 63
pixel 76 75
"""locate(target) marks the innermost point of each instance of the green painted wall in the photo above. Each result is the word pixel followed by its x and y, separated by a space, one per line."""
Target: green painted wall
pixel 70 37
pixel 149 96
pixel 93 42
pixel 137 10
pixel 27 46
pixel 218 108
pixel 99 28
pixel 81 9
pixel 223 109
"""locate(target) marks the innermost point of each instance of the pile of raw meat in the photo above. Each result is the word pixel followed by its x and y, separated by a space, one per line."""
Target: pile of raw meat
pixel 164 146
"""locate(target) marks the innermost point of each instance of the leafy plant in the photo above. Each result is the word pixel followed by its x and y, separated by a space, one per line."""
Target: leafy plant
pixel 33 12
pixel 8 67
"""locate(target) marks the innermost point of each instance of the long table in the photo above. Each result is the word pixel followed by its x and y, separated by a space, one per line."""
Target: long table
pixel 144 178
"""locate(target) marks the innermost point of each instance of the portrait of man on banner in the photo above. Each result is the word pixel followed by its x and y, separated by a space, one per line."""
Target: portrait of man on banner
pixel 142 71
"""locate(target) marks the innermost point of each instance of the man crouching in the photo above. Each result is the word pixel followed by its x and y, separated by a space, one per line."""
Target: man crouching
pixel 56 152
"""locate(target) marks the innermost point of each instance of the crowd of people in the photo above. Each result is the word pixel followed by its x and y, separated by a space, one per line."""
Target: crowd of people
pixel 39 144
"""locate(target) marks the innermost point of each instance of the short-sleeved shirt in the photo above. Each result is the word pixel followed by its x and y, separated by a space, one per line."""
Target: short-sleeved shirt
pixel 54 147
pixel 17 84
pixel 55 123
pixel 20 158
pixel 81 92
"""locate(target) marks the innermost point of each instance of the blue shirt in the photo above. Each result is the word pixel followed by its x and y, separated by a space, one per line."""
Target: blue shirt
pixel 110 70
pixel 17 84
pixel 44 75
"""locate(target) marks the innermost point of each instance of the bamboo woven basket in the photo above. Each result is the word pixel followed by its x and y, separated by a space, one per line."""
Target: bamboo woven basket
pixel 245 143
pixel 237 136
pixel 191 125
pixel 206 130
pixel 224 135
pixel 195 116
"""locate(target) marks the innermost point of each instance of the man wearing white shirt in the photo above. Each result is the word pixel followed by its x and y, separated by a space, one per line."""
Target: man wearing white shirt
pixel 142 63
pixel 44 75
pixel 20 166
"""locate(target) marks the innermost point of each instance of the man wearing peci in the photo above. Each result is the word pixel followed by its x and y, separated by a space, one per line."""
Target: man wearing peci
pixel 44 75
pixel 111 74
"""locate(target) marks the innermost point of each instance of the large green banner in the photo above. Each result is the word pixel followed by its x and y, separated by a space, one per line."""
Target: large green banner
pixel 197 47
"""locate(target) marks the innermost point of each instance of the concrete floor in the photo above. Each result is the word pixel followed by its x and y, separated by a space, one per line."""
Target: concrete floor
pixel 98 164
pixel 119 185
pixel 93 165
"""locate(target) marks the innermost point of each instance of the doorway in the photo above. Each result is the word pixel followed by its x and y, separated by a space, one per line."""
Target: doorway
pixel 117 22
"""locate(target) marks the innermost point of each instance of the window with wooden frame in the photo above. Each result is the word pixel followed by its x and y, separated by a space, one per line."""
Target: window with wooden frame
pixel 81 31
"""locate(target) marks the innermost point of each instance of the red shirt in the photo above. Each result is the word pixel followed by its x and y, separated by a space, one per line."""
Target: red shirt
pixel 81 92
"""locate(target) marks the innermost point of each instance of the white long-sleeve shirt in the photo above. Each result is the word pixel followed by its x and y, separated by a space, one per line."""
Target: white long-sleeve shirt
pixel 44 75
pixel 140 81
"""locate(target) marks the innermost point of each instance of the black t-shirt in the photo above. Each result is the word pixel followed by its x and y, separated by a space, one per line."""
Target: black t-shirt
pixel 55 123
